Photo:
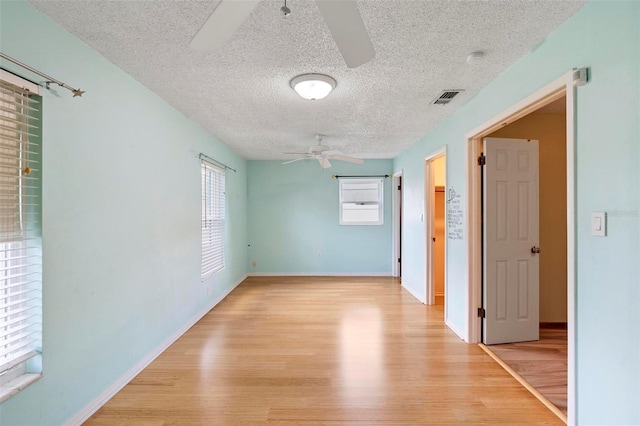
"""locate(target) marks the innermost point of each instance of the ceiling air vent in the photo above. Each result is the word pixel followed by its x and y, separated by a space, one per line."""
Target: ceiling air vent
pixel 445 97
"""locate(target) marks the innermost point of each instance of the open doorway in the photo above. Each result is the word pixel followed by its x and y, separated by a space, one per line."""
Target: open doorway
pixel 435 200
pixel 542 362
pixel 563 87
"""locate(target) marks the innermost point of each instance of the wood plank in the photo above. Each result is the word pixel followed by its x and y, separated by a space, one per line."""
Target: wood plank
pixel 319 350
pixel 542 363
pixel 534 391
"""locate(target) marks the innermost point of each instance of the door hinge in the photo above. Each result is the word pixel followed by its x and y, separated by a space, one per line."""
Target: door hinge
pixel 399 187
pixel 399 261
pixel 482 160
pixel 482 313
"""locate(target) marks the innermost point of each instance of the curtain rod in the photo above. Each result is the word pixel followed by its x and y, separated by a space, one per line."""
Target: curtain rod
pixel 359 176
pixel 76 92
pixel 205 157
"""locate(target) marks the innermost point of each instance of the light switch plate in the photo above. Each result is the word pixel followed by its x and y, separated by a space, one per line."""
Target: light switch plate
pixel 599 224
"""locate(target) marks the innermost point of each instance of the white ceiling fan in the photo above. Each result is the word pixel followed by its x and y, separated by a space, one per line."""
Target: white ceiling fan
pixel 323 154
pixel 341 16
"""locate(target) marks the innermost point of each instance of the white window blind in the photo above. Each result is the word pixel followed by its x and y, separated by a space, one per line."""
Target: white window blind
pixel 20 230
pixel 361 202
pixel 213 218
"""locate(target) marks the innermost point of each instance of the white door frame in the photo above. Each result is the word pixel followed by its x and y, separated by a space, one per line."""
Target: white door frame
pixel 429 208
pixel 562 86
pixel 396 223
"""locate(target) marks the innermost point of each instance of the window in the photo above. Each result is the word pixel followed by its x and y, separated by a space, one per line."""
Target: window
pixel 361 202
pixel 20 235
pixel 213 207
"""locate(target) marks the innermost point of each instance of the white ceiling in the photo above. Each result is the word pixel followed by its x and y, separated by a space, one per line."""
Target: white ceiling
pixel 241 93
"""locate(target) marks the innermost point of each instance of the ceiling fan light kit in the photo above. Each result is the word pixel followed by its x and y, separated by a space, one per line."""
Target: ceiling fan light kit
pixel 285 10
pixel 313 86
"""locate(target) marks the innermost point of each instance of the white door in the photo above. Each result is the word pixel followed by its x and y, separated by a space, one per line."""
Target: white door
pixel 511 239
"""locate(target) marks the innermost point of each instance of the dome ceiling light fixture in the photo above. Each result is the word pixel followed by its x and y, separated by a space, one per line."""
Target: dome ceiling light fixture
pixel 313 86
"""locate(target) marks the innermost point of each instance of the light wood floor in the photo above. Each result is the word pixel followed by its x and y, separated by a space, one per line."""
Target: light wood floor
pixel 334 351
pixel 543 363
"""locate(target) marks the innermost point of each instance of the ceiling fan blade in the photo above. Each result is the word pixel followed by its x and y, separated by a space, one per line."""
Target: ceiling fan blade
pixel 297 159
pixel 347 158
pixel 337 155
pixel 348 30
pixel 223 22
pixel 324 162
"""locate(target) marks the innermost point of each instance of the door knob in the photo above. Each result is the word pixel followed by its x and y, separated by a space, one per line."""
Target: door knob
pixel 535 250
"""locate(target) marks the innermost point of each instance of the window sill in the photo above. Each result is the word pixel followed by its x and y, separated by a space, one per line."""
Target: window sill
pixel 11 388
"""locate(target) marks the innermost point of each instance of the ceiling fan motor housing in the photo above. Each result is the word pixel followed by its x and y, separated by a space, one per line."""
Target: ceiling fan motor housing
pixel 318 149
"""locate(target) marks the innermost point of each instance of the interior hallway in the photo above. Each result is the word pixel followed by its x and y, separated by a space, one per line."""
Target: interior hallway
pixel 309 350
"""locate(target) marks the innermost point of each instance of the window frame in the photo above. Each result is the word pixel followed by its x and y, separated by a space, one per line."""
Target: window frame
pixel 380 202
pixel 213 215
pixel 25 365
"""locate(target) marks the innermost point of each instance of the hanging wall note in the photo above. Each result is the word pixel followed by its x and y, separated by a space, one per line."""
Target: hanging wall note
pixel 455 216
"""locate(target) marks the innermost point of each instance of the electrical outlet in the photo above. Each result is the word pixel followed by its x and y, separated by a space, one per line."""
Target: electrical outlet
pixel 254 264
pixel 208 290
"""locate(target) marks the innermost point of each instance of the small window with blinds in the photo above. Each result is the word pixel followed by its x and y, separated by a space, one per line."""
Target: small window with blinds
pixel 213 218
pixel 361 201
pixel 20 236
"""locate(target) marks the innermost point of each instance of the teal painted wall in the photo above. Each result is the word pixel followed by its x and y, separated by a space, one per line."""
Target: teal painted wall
pixel 122 202
pixel 604 36
pixel 293 215
pixel 121 220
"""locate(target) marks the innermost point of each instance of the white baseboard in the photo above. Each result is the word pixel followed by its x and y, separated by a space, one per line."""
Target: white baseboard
pixel 455 329
pixel 320 274
pixel 414 294
pixel 94 405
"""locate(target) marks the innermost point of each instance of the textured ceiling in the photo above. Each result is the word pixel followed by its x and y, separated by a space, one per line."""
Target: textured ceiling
pixel 241 93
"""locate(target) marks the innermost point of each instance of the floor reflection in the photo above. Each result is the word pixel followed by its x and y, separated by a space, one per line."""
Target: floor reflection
pixel 361 355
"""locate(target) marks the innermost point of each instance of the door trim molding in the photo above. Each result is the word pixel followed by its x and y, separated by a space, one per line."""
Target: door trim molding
pixel 396 219
pixel 562 86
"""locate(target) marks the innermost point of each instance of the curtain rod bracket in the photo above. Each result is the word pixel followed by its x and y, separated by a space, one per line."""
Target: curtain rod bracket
pixel 77 93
